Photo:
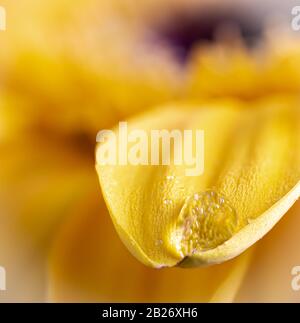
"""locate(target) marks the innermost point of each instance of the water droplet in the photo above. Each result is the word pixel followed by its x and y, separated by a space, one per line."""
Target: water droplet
pixel 206 221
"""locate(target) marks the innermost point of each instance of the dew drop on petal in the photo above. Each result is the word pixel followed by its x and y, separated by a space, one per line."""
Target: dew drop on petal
pixel 206 220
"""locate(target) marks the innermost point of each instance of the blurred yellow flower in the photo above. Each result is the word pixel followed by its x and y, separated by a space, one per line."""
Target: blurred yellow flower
pixel 69 70
pixel 251 179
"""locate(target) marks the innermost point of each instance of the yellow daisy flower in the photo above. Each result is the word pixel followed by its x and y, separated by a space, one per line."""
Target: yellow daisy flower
pixel 67 71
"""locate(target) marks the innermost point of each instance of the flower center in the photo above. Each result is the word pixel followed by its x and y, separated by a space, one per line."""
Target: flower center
pixel 184 30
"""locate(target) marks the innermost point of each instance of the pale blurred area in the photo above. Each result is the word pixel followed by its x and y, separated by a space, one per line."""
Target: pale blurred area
pixel 69 69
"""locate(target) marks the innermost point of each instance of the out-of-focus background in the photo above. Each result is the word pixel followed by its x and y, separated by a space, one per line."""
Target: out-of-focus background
pixel 71 68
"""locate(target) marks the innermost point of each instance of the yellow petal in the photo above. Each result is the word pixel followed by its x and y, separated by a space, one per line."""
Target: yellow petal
pixel 77 59
pixel 40 182
pixel 229 288
pixel 226 71
pixel 88 263
pixel 252 169
pixel 270 275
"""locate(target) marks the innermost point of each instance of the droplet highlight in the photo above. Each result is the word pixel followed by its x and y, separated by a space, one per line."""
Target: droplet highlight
pixel 170 177
pixel 206 221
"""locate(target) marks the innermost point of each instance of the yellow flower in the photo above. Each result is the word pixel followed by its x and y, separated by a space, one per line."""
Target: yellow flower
pixel 215 71
pixel 88 263
pixel 251 178
pixel 68 64
pixel 68 71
